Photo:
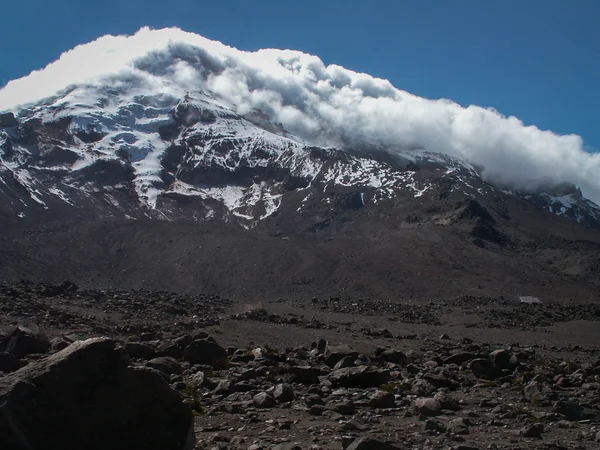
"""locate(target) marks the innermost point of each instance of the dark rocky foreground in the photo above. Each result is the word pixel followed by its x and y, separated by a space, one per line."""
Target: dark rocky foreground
pixel 322 373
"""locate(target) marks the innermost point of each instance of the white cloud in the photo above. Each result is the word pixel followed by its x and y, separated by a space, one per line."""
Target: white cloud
pixel 319 103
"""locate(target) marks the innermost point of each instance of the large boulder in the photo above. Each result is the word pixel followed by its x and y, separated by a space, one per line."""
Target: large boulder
pixel 23 341
pixel 87 396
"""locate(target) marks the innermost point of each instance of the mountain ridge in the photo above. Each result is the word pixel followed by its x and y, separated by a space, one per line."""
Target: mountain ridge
pixel 173 148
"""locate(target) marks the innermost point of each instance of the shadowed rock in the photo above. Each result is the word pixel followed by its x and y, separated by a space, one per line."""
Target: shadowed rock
pixel 24 341
pixel 87 396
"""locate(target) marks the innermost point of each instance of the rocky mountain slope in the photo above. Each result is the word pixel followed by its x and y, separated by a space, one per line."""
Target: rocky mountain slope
pixel 120 154
pixel 471 374
pixel 179 192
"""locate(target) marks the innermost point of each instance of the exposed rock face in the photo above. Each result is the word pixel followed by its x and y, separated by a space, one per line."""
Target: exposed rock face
pixel 87 396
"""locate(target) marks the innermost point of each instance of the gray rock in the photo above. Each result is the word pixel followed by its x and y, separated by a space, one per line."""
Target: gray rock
pixel 459 426
pixel 382 399
pixel 260 353
pixel 321 345
pixel 200 380
pixel 355 424
pixel 87 396
pixel 446 401
pixel 422 387
pixel 263 400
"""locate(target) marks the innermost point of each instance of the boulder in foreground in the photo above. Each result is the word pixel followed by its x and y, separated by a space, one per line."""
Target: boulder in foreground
pixel 88 397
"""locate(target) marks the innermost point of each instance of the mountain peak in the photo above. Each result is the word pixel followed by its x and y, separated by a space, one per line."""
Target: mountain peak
pixel 296 95
pixel 134 154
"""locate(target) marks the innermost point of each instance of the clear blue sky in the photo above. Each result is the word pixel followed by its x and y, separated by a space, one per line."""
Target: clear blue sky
pixel 536 59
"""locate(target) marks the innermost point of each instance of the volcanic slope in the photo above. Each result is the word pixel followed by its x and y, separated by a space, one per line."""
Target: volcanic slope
pixel 113 187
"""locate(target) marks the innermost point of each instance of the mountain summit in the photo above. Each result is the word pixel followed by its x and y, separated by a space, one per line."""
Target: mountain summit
pixel 323 105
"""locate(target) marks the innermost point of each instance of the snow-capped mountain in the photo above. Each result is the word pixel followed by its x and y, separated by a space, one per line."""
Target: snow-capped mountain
pixel 111 153
pixel 170 125
pixel 167 161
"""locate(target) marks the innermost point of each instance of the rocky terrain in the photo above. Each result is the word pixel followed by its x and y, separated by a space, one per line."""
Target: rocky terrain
pixel 177 191
pixel 316 373
pixel 232 285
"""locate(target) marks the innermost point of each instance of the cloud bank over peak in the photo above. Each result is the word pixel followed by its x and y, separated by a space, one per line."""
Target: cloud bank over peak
pixel 321 104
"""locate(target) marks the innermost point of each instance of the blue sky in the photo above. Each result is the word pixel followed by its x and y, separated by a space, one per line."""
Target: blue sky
pixel 536 59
